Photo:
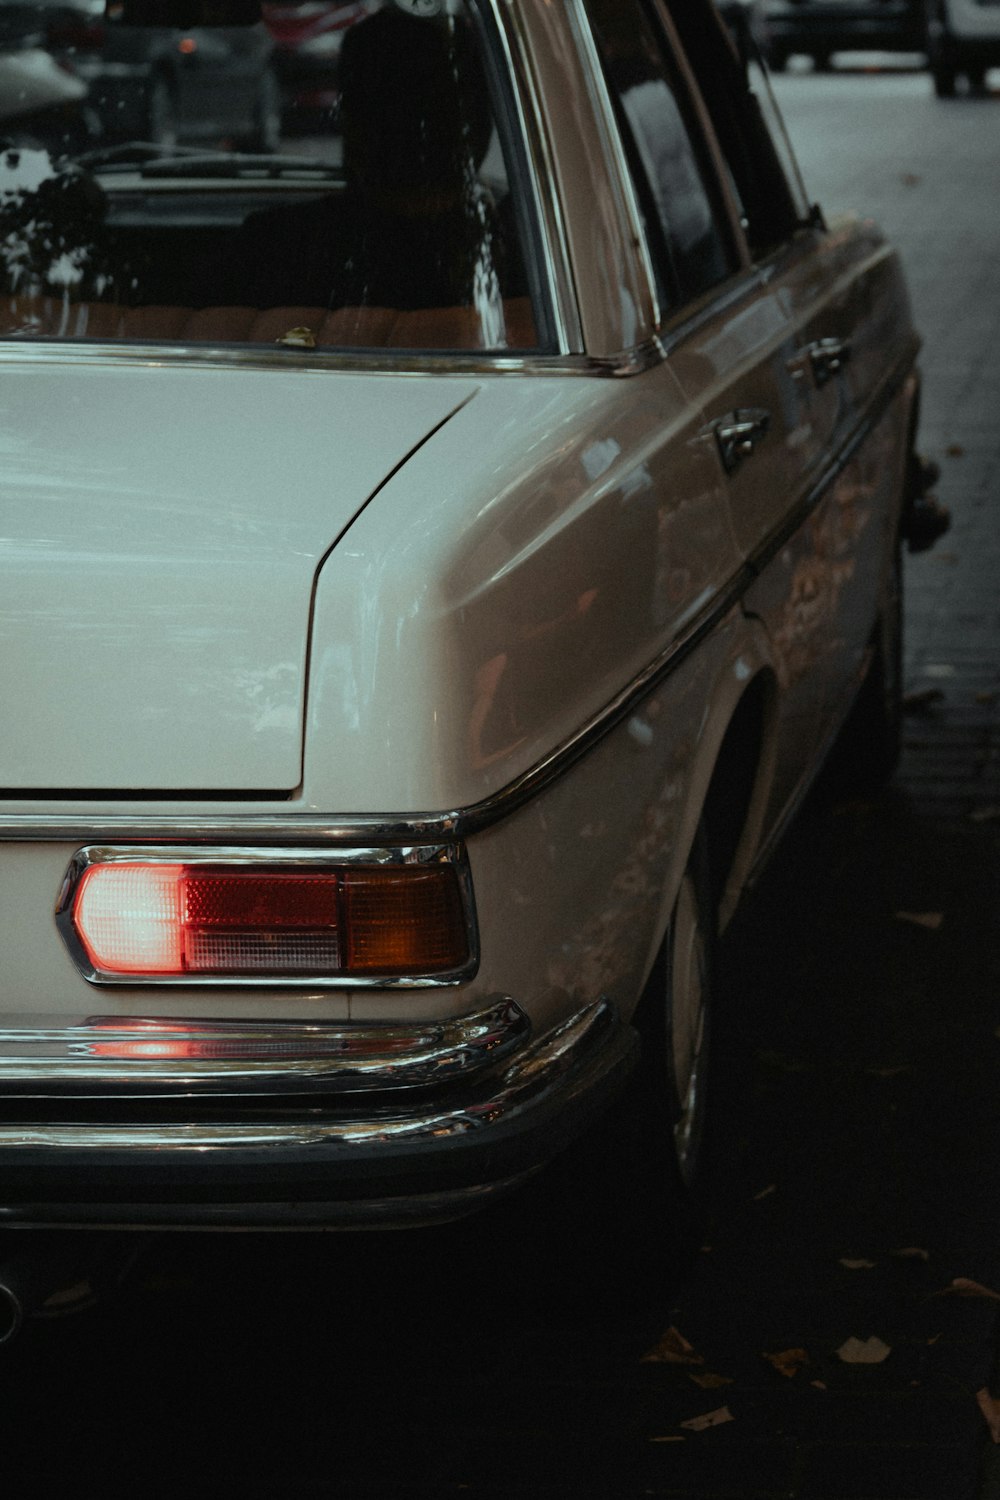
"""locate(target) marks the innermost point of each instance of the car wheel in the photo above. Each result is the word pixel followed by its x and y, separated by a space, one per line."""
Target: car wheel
pixel 977 80
pixel 161 113
pixel 868 748
pixel 821 62
pixel 674 1023
pixel 609 1221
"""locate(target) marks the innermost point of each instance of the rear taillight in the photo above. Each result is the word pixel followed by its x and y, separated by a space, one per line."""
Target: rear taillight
pixel 157 918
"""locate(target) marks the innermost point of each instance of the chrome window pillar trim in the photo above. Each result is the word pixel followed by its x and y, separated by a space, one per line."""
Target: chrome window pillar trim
pixel 634 229
pixel 392 829
pixel 313 859
pixel 160 1056
pixel 554 241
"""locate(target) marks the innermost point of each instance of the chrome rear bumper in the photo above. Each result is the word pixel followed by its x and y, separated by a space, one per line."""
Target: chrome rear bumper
pixel 146 1056
pixel 425 1134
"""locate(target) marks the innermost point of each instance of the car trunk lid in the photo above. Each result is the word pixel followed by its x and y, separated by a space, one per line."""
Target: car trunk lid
pixel 162 530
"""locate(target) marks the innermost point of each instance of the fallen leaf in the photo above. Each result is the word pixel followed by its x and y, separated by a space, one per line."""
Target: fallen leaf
pixel 955 450
pixel 673 1438
pixel 788 1362
pixel 930 919
pixel 710 1382
pixel 765 1192
pixel 820 1385
pixel 710 1419
pixel 935 1339
pixel 985 814
pixel 863 1351
pixel 990 1408
pixel 857 1265
pixel 910 1252
pixel 910 179
pixel 961 1286
pixel 672 1349
pixel 990 695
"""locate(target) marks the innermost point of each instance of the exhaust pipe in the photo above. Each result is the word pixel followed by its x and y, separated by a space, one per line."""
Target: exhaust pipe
pixel 54 1274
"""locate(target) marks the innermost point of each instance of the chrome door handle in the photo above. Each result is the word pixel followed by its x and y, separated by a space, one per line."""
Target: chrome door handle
pixel 738 433
pixel 825 358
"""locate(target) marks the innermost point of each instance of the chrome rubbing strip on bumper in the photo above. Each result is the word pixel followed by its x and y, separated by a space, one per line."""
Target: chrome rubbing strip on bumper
pixel 159 1056
pixel 573 1046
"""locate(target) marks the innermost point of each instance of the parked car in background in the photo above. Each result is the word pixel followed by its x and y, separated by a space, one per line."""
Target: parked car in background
pixel 962 37
pixel 164 83
pixel 434 573
pixel 307 38
pixel 819 28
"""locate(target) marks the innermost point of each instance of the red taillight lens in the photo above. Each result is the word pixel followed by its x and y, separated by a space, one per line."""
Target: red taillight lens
pixel 172 920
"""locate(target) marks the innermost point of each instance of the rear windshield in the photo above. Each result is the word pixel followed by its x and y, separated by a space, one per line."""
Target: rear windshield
pixel 320 175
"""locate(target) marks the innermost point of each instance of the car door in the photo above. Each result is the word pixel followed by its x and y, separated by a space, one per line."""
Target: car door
pixel 733 342
pixel 826 551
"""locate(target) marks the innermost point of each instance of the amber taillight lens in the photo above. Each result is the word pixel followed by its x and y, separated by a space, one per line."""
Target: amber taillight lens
pixel 164 920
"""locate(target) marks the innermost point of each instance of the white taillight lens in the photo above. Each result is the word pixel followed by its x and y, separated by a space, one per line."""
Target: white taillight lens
pixel 169 920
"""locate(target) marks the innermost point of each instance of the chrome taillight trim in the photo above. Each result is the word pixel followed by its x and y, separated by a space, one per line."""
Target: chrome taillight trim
pixel 340 1057
pixel 302 857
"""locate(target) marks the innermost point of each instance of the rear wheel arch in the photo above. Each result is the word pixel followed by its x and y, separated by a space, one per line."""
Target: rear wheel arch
pixel 733 809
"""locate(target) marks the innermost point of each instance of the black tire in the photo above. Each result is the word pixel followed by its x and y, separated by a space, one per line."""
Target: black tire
pixel 821 62
pixel 869 746
pixel 674 1024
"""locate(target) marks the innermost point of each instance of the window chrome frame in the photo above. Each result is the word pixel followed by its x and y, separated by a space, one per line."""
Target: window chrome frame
pixel 535 155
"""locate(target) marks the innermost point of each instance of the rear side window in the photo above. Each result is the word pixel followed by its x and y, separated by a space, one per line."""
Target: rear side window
pixel 332 175
pixel 673 177
pixel 764 176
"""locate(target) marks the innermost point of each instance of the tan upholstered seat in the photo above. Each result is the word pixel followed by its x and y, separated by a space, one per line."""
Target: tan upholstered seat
pixel 345 327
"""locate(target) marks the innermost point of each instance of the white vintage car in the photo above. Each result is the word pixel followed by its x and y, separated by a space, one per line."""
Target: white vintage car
pixel 436 560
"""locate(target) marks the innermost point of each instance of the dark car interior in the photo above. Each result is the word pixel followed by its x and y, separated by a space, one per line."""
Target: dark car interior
pixel 397 229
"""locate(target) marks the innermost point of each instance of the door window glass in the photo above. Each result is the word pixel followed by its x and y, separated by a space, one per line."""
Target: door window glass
pixel 673 177
pixel 734 86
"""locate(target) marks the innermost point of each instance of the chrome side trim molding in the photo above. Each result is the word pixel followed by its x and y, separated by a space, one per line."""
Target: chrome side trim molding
pixel 428 363
pixel 347 830
pixel 155 1056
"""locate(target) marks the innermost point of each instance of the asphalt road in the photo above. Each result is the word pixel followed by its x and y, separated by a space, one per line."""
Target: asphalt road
pixel 857 1122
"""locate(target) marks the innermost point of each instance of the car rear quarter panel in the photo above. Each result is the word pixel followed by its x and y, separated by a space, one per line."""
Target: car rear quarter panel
pixel 538 554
